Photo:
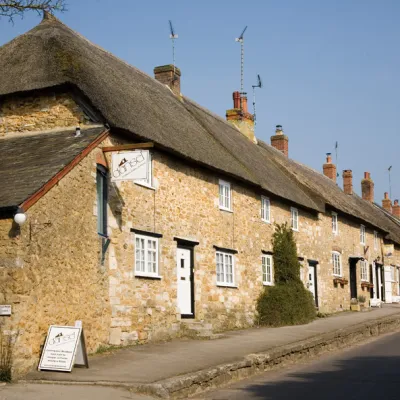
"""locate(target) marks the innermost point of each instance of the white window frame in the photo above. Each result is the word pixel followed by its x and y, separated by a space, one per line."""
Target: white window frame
pixel 224 201
pixel 376 239
pixel 267 261
pixel 265 209
pixel 362 235
pixel 221 268
pixel 146 251
pixel 294 219
pixel 148 182
pixel 335 226
pixel 364 267
pixel 337 264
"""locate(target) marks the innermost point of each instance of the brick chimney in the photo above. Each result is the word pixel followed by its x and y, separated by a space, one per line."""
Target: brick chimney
pixel 387 203
pixel 165 74
pixel 280 141
pixel 329 168
pixel 396 209
pixel 348 181
pixel 239 116
pixel 367 187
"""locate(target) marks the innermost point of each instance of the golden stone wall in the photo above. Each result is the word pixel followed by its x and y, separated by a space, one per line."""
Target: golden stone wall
pixel 38 113
pixel 184 203
pixel 51 272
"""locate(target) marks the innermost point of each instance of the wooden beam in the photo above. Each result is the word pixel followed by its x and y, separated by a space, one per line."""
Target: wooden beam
pixel 56 178
pixel 131 146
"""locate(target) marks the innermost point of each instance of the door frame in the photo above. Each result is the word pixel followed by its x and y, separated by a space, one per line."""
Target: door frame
pixel 353 261
pixel 188 245
pixel 314 263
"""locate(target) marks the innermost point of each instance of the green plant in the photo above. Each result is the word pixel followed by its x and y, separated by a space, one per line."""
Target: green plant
pixel 361 299
pixel 288 302
pixel 6 355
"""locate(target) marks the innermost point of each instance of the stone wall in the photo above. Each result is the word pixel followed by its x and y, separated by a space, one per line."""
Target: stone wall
pixel 184 203
pixel 51 273
pixel 39 112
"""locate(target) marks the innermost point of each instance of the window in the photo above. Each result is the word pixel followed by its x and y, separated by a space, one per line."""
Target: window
pixel 146 256
pixel 364 270
pixel 294 220
pixel 101 187
pixel 225 269
pixel 265 209
pixel 335 229
pixel 225 196
pixel 376 240
pixel 362 234
pixel 337 263
pixel 267 270
pixel 148 182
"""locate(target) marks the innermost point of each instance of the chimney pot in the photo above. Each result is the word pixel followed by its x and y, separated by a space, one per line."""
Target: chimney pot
pixel 348 181
pixel 367 187
pixel 280 141
pixel 396 209
pixel 170 76
pixel 236 100
pixel 387 203
pixel 329 168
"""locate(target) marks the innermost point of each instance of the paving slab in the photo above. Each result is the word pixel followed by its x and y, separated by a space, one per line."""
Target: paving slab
pixel 155 362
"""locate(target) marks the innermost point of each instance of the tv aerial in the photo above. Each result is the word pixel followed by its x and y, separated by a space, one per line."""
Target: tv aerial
pixel 173 36
pixel 240 40
pixel 259 85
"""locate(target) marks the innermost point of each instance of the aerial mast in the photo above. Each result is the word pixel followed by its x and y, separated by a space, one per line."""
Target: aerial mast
pixel 259 85
pixel 173 36
pixel 240 40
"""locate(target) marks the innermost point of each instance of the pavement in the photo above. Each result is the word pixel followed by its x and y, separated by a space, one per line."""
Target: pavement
pixel 367 371
pixel 67 392
pixel 151 363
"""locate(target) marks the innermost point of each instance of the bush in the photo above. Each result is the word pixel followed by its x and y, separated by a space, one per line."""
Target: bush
pixel 288 302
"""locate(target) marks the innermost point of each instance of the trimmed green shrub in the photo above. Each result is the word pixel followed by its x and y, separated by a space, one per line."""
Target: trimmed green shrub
pixel 288 302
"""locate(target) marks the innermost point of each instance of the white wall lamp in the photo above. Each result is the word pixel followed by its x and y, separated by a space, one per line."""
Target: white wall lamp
pixel 20 217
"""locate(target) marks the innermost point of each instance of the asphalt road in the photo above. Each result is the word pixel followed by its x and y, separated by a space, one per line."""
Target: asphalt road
pixel 369 371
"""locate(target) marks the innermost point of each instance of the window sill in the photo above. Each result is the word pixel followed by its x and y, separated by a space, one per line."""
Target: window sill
pixel 145 276
pixel 144 185
pixel 362 244
pixel 226 209
pixel 265 221
pixel 340 281
pixel 223 285
pixel 295 230
pixel 267 284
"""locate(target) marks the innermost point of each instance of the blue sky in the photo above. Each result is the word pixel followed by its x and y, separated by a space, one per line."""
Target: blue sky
pixel 330 68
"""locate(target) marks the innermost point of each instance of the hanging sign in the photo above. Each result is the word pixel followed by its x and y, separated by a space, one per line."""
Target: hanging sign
pixel 63 344
pixel 130 165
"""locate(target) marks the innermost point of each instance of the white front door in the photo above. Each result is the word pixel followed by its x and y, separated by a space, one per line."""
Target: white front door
pixel 184 268
pixel 388 284
pixel 311 280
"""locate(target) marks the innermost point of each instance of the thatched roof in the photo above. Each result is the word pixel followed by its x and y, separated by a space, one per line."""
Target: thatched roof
pixel 329 192
pixel 28 162
pixel 51 54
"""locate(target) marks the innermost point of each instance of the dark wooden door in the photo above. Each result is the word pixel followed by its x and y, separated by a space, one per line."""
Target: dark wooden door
pixel 353 280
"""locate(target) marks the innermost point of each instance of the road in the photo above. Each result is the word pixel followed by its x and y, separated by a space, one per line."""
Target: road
pixel 369 371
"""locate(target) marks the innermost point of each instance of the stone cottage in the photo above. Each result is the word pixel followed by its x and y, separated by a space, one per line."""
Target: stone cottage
pixel 155 213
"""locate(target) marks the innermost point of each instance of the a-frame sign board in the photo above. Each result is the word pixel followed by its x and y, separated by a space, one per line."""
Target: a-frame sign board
pixel 64 348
